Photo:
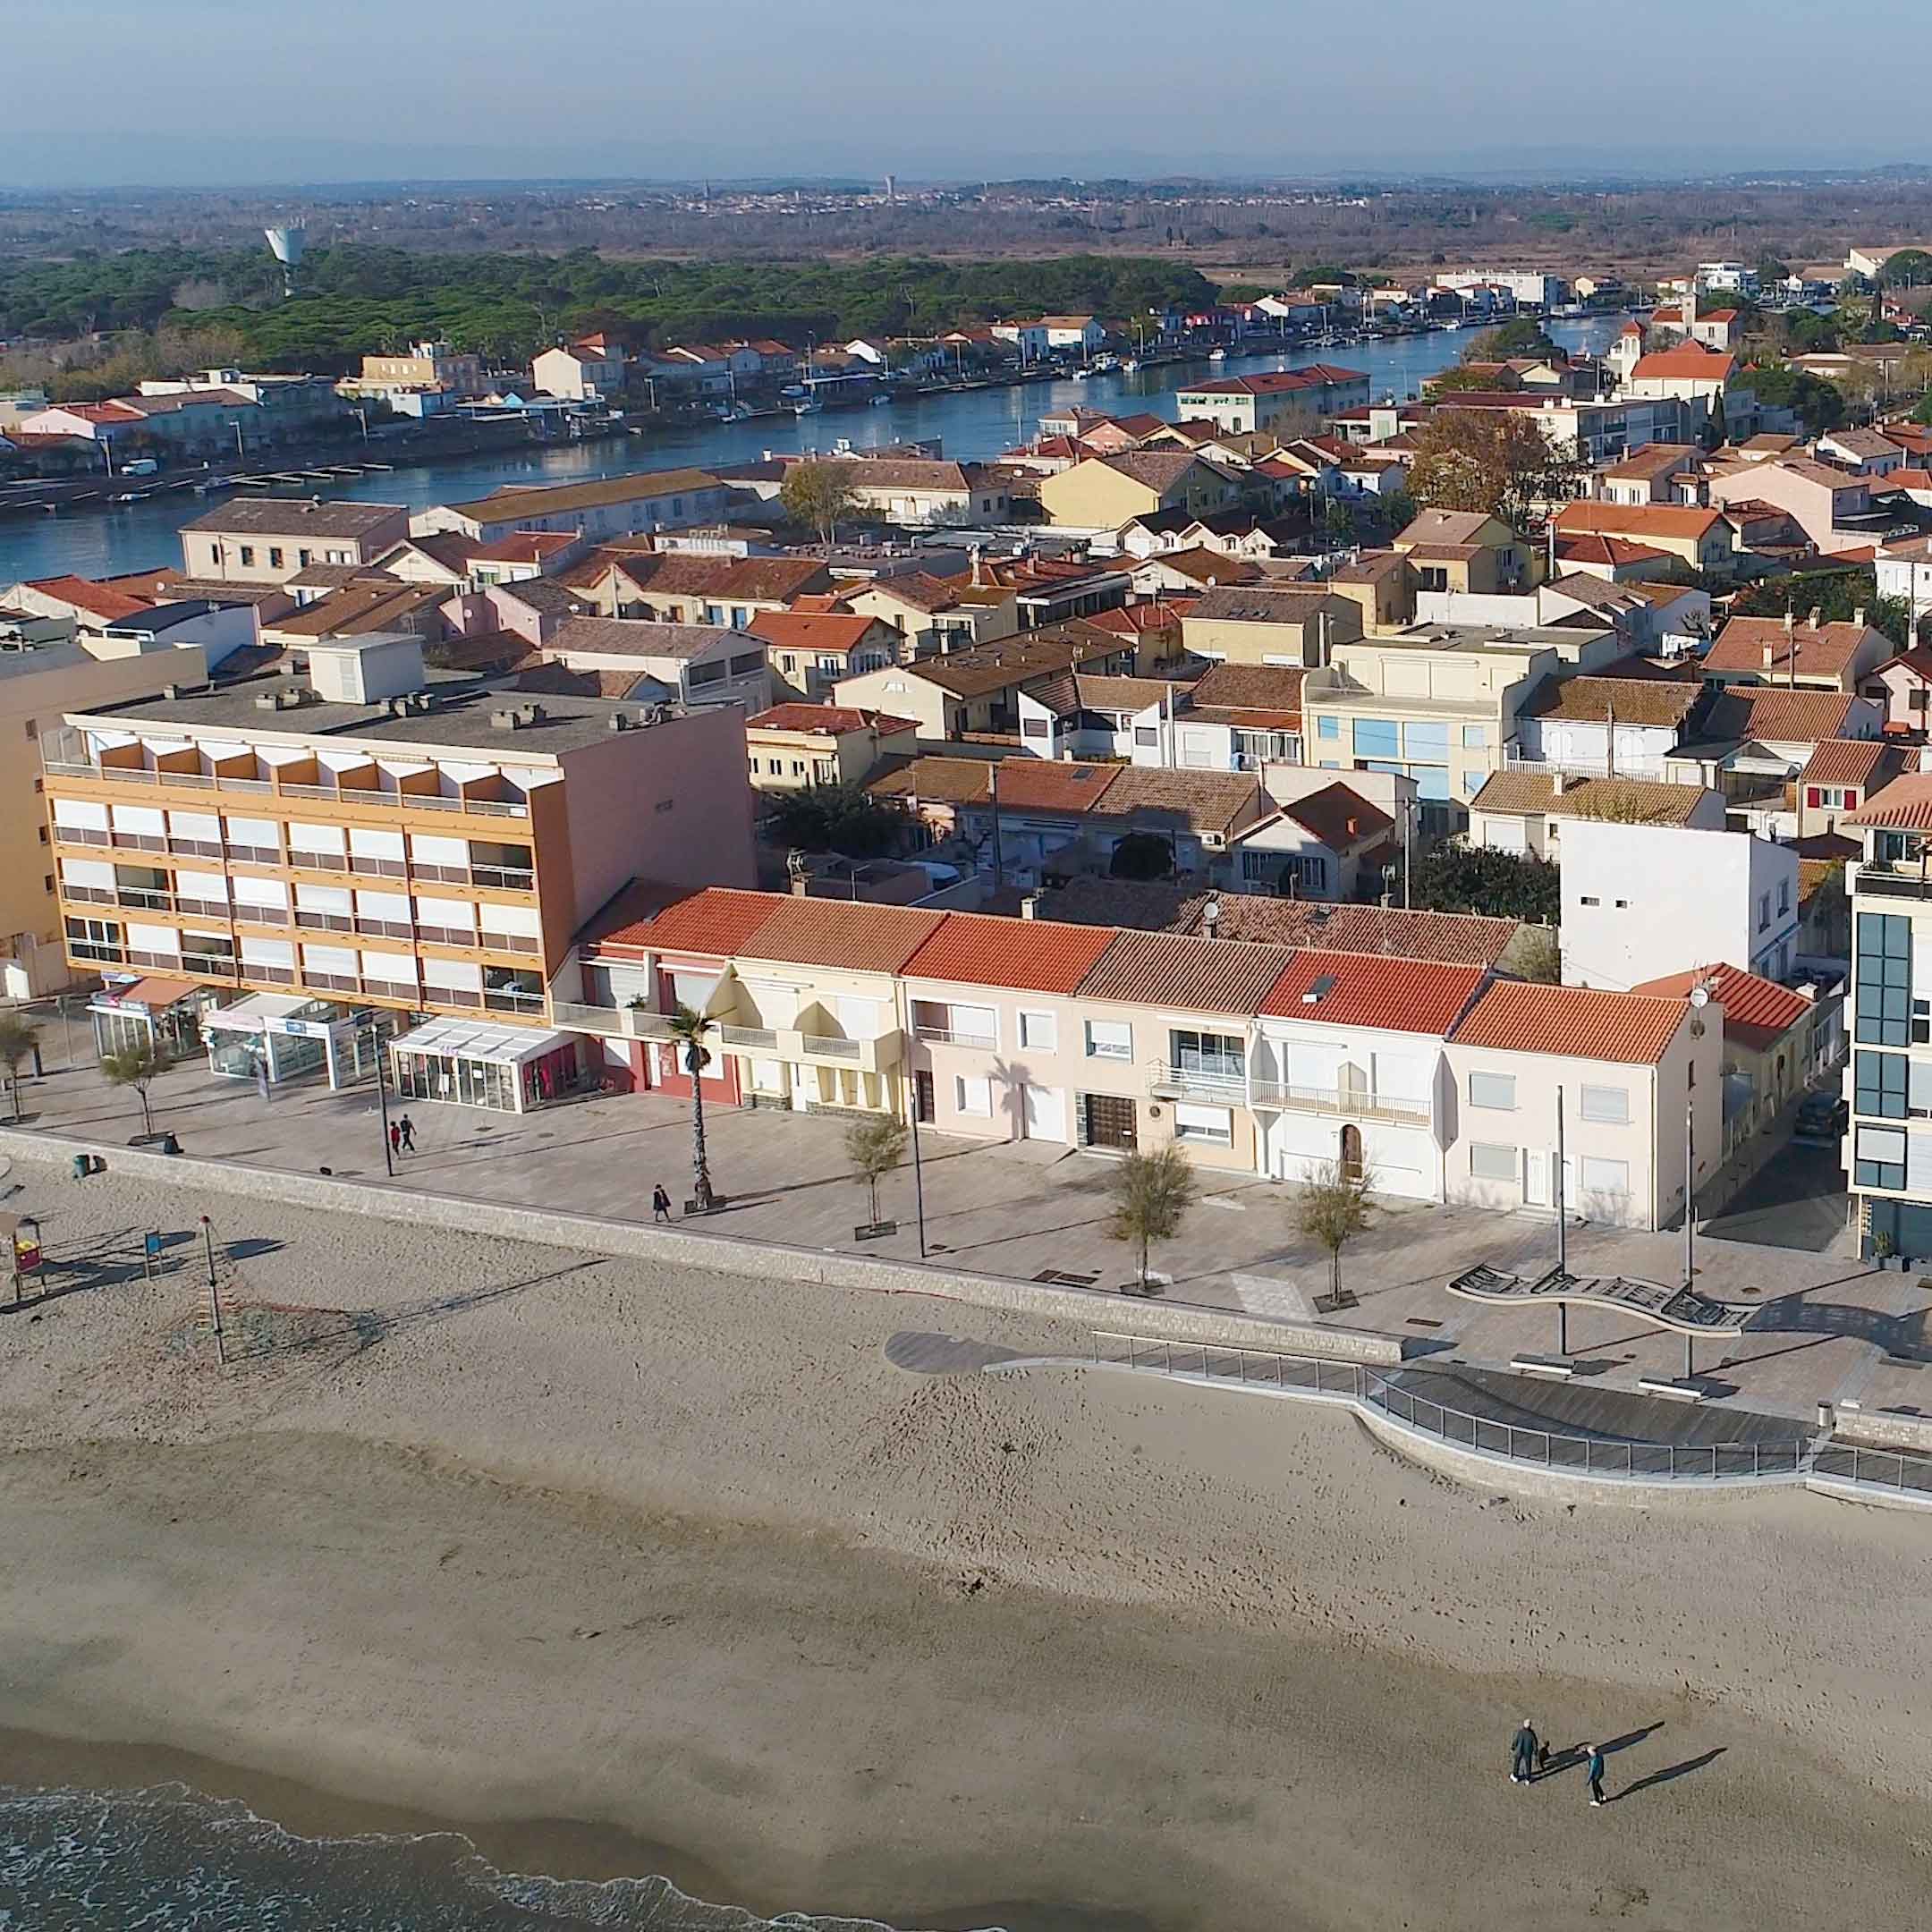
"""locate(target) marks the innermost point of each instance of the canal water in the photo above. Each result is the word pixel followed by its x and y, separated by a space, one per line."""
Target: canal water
pixel 972 427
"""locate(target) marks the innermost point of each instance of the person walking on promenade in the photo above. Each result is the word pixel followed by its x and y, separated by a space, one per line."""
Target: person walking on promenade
pixel 395 1138
pixel 1594 1772
pixel 1522 1754
pixel 407 1129
pixel 660 1203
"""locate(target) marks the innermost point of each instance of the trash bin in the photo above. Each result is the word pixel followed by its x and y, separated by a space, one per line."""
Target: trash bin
pixel 82 1166
pixel 169 1144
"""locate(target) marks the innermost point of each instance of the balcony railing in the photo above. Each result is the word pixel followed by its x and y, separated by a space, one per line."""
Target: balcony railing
pixel 449 935
pixel 499 942
pixel 210 965
pixel 378 867
pixel 955 1036
pixel 314 921
pixel 87 894
pixel 79 834
pixel 824 1046
pixel 748 1036
pixel 1887 881
pixel 311 862
pixel 381 928
pixel 1274 1095
pixel 219 909
pixel 510 999
pixel 135 774
pixel 1222 1083
pixel 614 1022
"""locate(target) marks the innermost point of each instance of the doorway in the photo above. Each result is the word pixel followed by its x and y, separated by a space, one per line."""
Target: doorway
pixel 1109 1122
pixel 1352 1152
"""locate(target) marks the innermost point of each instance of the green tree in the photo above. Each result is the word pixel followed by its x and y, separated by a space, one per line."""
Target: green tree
pixel 819 494
pixel 875 1148
pixel 1520 336
pixel 18 1039
pixel 138 1067
pixel 688 1029
pixel 1331 1209
pixel 1538 955
pixel 1456 876
pixel 1142 855
pixel 1338 522
pixel 1820 406
pixel 1909 268
pixel 843 819
pixel 1151 1195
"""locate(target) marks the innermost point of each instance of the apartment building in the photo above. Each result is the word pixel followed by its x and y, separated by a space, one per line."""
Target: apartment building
pixel 665 663
pixel 1438 704
pixel 268 541
pixel 613 506
pixel 1288 624
pixel 37 687
pixel 384 840
pixel 1286 401
pixel 1888 1082
pixel 794 747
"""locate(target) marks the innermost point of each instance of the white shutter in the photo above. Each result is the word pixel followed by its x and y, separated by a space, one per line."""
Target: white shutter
pixel 456 976
pixel 83 813
pixel 372 845
pixel 316 838
pixel 254 832
pixel 201 884
pixel 143 819
pixel 522 920
pixel 399 968
pixel 384 905
pixel 88 872
pixel 433 850
pixel 329 959
pixel 324 898
pixel 459 915
pixel 258 892
pixel 153 939
pixel 277 952
pixel 195 825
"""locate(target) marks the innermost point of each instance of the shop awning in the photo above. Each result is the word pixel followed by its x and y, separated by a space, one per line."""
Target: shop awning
pixel 155 996
pixel 476 1039
pixel 251 1015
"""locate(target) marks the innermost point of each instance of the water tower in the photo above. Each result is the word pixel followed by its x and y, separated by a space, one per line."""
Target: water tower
pixel 287 242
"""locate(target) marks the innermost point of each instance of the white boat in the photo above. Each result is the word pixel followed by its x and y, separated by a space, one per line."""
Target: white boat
pixel 1080 374
pixel 1217 355
pixel 1131 366
pixel 810 406
pixel 881 401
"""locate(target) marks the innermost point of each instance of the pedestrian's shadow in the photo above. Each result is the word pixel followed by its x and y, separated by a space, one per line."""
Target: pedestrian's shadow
pixel 1670 1772
pixel 1573 1755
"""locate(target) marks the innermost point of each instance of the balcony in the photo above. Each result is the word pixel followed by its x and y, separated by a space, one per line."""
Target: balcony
pixel 748 1039
pixel 952 1037
pixel 1881 879
pixel 613 1022
pixel 1273 1097
pixel 1222 1084
pixel 512 999
pixel 359 798
pixel 499 942
pixel 312 861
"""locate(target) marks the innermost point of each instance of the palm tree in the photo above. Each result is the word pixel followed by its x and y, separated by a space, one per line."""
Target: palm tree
pixel 1152 1193
pixel 136 1067
pixel 688 1029
pixel 18 1039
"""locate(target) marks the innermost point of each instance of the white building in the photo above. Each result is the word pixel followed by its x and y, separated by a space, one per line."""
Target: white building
pixel 1529 287
pixel 1643 900
pixel 1734 278
pixel 579 374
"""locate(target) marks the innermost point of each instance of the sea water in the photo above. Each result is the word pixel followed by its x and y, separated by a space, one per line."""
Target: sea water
pixel 167 1860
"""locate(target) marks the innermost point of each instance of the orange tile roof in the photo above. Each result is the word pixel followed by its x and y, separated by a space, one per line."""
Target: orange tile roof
pixel 1756 1010
pixel 97 599
pixel 1905 805
pixel 1405 995
pixel 1212 976
pixel 1804 652
pixel 1580 1023
pixel 847 934
pixel 810 630
pixel 1036 955
pixel 714 922
pixel 1635 519
pixel 1847 761
pixel 1686 359
pixel 826 720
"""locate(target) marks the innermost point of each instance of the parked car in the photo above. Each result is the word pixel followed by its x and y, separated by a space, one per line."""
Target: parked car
pixel 1822 1120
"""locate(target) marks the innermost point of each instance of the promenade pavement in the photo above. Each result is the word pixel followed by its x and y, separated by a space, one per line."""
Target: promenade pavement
pixel 1836 1327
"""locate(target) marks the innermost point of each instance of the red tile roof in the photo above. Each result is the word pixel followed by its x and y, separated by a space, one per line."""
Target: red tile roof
pixel 1756 1010
pixel 1405 995
pixel 97 599
pixel 1823 652
pixel 1580 1023
pixel 714 922
pixel 826 720
pixel 1033 955
pixel 810 630
pixel 1593 547
pixel 1206 976
pixel 1849 761
pixel 1636 520
pixel 850 936
pixel 1905 805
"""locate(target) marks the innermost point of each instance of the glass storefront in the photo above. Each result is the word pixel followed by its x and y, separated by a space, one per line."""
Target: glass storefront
pixel 508 1069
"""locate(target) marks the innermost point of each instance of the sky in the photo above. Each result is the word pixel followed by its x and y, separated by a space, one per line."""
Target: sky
pixel 258 92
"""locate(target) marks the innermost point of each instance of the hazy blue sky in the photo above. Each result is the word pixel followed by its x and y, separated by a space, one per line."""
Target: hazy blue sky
pixel 170 92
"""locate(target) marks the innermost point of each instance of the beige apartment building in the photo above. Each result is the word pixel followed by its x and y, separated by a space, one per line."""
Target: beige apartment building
pixel 1294 625
pixel 793 747
pixel 37 687
pixel 382 841
pixel 268 541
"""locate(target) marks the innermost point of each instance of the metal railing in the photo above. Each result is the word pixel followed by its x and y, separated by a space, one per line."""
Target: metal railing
pixel 509 999
pixel 140 775
pixel 1887 882
pixel 308 861
pixel 748 1036
pixel 1341 1100
pixel 1205 1083
pixel 616 1022
pixel 1884 1468
pixel 952 1037
pixel 825 1047
pixel 1362 1385
pixel 502 942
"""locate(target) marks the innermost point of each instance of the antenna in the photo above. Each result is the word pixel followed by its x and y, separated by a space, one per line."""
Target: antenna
pixel 288 244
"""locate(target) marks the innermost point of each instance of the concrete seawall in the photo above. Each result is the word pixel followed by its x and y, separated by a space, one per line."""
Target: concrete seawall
pixel 721 1253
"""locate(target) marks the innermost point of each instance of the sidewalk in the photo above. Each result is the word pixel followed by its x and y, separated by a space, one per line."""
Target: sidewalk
pixel 1030 1210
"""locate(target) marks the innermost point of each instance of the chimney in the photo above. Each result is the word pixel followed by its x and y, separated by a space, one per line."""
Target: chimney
pixel 1812 622
pixel 1029 906
pixel 1791 622
pixel 1858 616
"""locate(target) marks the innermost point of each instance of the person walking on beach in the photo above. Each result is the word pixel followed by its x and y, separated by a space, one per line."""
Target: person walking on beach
pixel 660 1203
pixel 1594 1772
pixel 1522 1754
pixel 407 1129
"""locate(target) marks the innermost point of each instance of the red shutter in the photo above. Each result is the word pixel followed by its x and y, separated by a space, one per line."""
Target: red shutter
pixel 1813 796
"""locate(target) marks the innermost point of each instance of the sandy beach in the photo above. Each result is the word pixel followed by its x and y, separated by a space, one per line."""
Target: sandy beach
pixel 629 1569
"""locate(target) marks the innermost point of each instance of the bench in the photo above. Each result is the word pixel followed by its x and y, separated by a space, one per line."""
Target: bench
pixel 1678 1389
pixel 1558 1367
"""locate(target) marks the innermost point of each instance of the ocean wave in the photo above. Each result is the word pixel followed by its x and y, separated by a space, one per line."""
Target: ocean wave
pixel 169 1860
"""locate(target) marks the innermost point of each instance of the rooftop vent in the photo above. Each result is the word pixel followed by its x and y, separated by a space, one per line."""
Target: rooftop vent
pixel 1319 991
pixel 517 717
pixel 289 698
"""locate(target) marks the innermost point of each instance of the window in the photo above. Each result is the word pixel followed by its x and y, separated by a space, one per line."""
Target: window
pixel 1487 1162
pixel 1764 910
pixel 1881 1081
pixel 1609 1104
pixel 745 664
pixel 1036 727
pixel 305 558
pixel 1222 1054
pixel 1327 727
pixel 1602 1177
pixel 1783 895
pixel 1882 979
pixel 974 1095
pixel 1211 1125
pixel 1039 1031
pixel 274 557
pixel 1497 1090
pixel 1474 738
pixel 1878 1158
pixel 1377 738
pixel 1589 901
pixel 1109 1039
pixel 248 554
pixel 697 675
pixel 1146 734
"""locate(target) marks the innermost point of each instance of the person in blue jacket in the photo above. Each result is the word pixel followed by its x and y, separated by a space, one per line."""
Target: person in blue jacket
pixel 1522 1754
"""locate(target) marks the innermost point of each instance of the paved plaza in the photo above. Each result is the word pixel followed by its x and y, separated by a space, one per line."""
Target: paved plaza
pixel 1831 1327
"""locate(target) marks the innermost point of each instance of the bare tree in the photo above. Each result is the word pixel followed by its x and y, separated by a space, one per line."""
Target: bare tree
pixel 18 1039
pixel 875 1148
pixel 137 1067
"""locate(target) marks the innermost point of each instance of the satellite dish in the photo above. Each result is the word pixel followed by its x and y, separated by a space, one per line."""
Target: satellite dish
pixel 1700 995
